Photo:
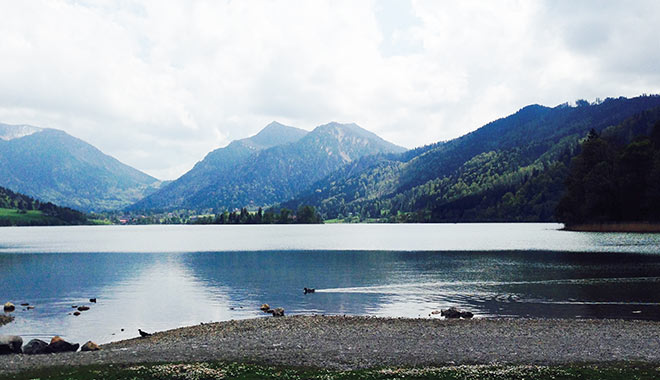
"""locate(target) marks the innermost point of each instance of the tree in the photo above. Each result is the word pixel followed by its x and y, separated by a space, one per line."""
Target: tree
pixel 307 215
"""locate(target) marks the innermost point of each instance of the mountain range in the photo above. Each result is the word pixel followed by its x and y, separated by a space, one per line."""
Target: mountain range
pixel 512 169
pixel 270 167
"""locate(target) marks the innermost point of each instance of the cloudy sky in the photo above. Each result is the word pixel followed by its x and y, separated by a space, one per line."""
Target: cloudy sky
pixel 158 84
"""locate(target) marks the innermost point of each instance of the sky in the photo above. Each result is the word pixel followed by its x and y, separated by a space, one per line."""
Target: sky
pixel 158 84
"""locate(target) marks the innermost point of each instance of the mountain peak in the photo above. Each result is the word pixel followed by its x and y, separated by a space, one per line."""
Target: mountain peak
pixel 11 132
pixel 344 130
pixel 275 134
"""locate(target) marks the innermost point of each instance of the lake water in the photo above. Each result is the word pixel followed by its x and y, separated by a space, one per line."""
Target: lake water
pixel 162 277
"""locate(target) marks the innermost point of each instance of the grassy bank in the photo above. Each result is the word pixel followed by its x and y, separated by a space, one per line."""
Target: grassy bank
pixel 215 370
pixel 616 227
pixel 17 217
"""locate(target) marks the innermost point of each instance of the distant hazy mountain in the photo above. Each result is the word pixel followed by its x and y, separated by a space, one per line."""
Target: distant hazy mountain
pixel 52 166
pixel 511 169
pixel 269 167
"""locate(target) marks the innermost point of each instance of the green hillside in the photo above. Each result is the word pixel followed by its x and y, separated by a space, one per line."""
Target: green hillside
pixel 512 169
pixel 21 210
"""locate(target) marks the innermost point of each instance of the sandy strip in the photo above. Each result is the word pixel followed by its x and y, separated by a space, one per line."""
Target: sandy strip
pixel 363 342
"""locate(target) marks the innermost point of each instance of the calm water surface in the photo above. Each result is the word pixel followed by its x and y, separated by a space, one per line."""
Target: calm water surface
pixel 162 277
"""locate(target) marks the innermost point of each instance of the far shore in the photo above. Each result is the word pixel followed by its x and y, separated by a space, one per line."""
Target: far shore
pixel 349 343
pixel 640 227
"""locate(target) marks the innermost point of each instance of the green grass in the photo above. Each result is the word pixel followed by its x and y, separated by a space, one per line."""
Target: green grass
pixel 216 370
pixel 100 222
pixel 20 218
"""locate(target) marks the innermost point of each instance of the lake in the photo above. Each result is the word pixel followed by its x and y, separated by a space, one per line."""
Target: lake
pixel 162 277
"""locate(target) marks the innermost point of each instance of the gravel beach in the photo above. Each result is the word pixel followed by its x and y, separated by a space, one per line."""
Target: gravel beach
pixel 362 342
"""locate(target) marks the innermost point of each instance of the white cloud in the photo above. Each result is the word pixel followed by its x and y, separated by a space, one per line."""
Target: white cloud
pixel 158 84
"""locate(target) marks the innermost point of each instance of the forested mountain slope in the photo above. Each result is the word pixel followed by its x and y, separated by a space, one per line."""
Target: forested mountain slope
pixel 509 170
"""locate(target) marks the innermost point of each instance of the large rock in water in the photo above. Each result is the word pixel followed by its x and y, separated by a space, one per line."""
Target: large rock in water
pixel 58 344
pixel 9 307
pixel 36 347
pixel 10 344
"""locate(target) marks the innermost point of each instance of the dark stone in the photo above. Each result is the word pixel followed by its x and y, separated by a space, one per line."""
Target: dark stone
pixel 76 313
pixel 308 290
pixel 90 346
pixel 36 347
pixel 92 300
pixel 466 314
pixel 9 307
pixel 450 313
pixel 4 319
pixel 83 308
pixel 10 344
pixel 25 304
pixel 58 345
pixel 143 333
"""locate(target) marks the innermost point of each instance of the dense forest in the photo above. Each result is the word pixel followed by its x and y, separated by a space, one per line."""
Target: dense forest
pixel 611 181
pixel 20 210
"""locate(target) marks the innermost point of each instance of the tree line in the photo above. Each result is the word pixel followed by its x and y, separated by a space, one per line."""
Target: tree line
pixel 304 215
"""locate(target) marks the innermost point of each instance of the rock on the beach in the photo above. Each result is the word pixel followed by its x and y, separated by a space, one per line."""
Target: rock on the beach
pixel 10 344
pixel 58 344
pixel 83 308
pixel 76 313
pixel 278 312
pixel 90 346
pixel 265 307
pixel 4 319
pixel 452 312
pixel 9 307
pixel 36 347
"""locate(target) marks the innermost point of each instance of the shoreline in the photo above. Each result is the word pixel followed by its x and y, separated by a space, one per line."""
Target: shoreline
pixel 630 227
pixel 349 343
